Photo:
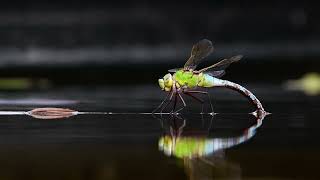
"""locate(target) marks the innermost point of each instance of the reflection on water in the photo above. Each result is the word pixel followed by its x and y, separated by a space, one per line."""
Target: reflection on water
pixel 202 155
pixel 121 145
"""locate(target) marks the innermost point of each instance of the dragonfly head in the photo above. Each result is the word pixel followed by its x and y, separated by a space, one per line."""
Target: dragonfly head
pixel 166 145
pixel 166 83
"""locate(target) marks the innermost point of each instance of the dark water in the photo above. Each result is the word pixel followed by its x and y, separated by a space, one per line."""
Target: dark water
pixel 130 146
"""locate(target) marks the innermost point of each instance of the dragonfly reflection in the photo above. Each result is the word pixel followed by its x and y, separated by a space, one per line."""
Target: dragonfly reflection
pixel 200 152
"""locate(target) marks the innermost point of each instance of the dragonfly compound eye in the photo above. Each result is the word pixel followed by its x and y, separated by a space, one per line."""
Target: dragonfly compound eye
pixel 161 83
pixel 168 80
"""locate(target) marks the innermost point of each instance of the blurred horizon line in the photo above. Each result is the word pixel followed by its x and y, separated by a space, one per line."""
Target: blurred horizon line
pixel 143 54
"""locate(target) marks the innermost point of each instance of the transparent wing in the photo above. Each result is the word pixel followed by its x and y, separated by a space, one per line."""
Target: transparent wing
pixel 199 51
pixel 216 74
pixel 221 65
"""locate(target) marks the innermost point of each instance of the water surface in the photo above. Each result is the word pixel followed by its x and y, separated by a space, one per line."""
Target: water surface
pixel 126 146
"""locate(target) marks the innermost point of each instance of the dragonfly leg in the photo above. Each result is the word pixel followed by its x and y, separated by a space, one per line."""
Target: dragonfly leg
pixel 167 104
pixel 206 93
pixel 210 125
pixel 196 98
pixel 172 132
pixel 175 103
pixel 161 104
pixel 184 103
pixel 180 130
pixel 211 106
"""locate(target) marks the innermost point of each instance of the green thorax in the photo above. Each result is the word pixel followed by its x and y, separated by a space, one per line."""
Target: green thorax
pixel 190 79
pixel 190 147
pixel 186 78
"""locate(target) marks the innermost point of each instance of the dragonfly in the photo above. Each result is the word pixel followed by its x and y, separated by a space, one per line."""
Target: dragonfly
pixel 189 81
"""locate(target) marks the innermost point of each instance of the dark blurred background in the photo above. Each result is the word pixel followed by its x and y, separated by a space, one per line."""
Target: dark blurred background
pixel 78 42
pixel 79 54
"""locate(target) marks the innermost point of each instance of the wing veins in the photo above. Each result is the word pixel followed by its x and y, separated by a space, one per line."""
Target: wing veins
pixel 224 62
pixel 199 51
